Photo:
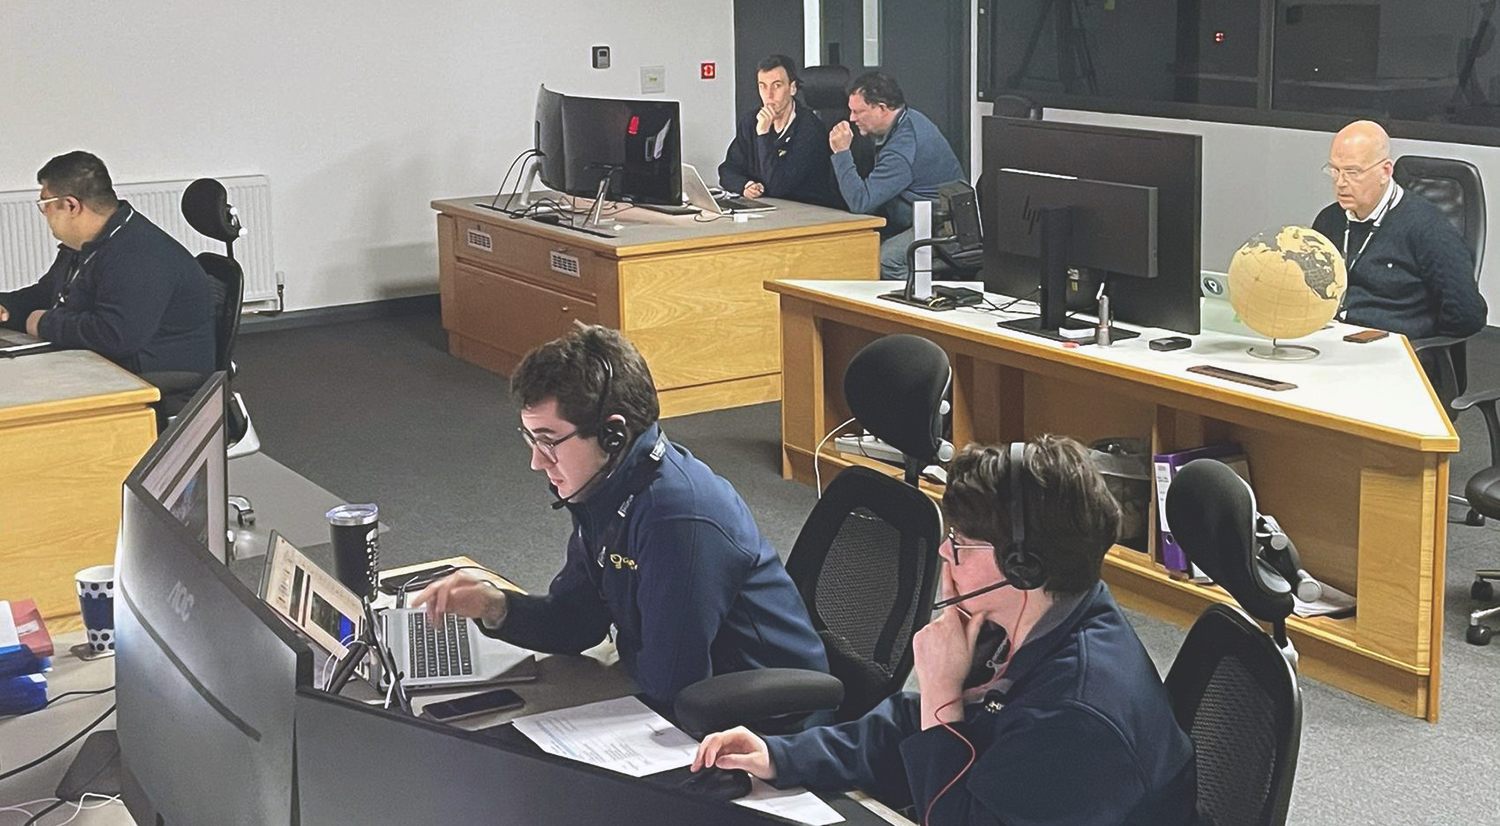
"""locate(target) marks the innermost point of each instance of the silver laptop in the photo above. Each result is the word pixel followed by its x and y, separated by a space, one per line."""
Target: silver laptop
pixel 13 343
pixel 452 652
pixel 698 194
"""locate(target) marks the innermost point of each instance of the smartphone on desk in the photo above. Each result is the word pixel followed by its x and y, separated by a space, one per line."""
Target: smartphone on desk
pixel 485 702
pixel 1366 336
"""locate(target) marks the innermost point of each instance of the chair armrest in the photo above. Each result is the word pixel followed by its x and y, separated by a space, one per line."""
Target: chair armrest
pixel 174 381
pixel 1476 398
pixel 745 697
pixel 1436 342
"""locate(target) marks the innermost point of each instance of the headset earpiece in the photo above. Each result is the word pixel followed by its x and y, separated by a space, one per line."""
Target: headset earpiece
pixel 613 435
pixel 1021 568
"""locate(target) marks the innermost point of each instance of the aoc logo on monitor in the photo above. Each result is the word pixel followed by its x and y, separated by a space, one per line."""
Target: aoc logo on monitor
pixel 180 601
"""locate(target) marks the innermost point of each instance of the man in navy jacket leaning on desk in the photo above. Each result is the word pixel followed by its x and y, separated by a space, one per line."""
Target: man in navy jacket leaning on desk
pixel 120 286
pixel 1064 721
pixel 662 549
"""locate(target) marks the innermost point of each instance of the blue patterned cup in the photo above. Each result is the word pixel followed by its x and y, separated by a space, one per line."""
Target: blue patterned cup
pixel 96 598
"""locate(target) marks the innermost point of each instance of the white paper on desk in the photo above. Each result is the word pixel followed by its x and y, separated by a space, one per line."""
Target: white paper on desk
pixel 796 804
pixel 9 637
pixel 620 735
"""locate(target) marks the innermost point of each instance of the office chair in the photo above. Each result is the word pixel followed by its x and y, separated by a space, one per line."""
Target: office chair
pixel 205 205
pixel 1233 687
pixel 825 89
pixel 1482 494
pixel 865 562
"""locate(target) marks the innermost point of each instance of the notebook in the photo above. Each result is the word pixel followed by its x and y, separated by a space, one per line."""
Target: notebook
pixel 697 193
pixel 13 343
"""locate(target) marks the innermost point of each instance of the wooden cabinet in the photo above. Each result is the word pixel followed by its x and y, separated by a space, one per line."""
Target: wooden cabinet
pixel 690 294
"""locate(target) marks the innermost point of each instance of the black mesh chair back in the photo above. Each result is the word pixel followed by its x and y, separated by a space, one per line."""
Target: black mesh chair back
pixel 205 206
pixel 866 564
pixel 1236 696
pixel 825 89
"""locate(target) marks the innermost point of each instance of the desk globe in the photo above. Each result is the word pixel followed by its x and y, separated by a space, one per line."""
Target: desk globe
pixel 1286 283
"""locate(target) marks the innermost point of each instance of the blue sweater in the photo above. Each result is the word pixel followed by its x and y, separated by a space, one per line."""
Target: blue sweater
pixel 140 300
pixel 910 166
pixel 1082 735
pixel 686 579
pixel 1415 276
pixel 792 166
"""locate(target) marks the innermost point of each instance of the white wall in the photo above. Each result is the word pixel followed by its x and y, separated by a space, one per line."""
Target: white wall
pixel 360 113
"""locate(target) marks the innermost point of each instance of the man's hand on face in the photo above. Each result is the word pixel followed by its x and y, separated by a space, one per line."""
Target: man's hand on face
pixel 840 137
pixel 4 313
pixel 763 120
pixel 754 189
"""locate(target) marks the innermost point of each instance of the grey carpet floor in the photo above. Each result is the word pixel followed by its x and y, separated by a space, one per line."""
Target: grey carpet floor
pixel 377 411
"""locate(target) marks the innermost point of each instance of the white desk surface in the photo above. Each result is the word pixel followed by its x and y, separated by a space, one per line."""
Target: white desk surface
pixel 1378 384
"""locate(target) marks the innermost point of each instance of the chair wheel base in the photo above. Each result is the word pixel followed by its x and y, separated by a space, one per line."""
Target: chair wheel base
pixel 1478 635
pixel 1474 519
pixel 1482 590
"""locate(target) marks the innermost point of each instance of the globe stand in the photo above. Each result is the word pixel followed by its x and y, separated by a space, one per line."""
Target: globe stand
pixel 1283 352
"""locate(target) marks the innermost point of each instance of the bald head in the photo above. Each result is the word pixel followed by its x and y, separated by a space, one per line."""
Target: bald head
pixel 1360 164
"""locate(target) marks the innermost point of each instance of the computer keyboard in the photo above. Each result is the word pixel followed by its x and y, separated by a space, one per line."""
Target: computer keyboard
pixel 441 650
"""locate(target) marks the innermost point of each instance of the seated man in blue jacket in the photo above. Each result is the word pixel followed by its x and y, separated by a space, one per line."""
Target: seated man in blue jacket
pixel 662 549
pixel 781 149
pixel 1065 722
pixel 912 159
pixel 120 286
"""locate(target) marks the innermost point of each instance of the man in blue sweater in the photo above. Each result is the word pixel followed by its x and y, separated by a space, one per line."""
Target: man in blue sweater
pixel 912 159
pixel 781 149
pixel 120 286
pixel 663 551
pixel 1409 270
pixel 1064 721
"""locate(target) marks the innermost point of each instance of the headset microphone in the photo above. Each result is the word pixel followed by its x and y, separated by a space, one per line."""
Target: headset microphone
pixel 568 500
pixel 944 603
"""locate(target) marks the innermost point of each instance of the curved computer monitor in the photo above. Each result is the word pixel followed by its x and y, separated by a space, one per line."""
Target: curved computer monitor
pixel 186 469
pixel 205 672
pixel 637 143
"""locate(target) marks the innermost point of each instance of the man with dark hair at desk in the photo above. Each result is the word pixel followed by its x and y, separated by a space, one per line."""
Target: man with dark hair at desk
pixel 1064 721
pixel 1410 272
pixel 912 159
pixel 781 149
pixel 663 551
pixel 120 286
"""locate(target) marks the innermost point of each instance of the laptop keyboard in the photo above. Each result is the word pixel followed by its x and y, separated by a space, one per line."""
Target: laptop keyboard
pixel 441 650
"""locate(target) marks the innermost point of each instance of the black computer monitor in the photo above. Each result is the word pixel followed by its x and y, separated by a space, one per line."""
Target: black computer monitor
pixel 205 673
pixel 1169 163
pixel 186 469
pixel 637 144
pixel 365 765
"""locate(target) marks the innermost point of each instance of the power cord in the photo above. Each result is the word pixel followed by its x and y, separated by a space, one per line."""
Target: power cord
pixel 818 452
pixel 51 754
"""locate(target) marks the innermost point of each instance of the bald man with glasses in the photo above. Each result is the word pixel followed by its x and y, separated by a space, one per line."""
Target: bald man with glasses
pixel 1409 270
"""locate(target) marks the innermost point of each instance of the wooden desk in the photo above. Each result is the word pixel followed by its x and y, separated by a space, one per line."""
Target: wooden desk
pixel 687 293
pixel 72 425
pixel 1353 463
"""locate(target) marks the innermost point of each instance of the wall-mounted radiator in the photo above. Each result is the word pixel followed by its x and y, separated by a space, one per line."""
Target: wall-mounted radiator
pixel 27 247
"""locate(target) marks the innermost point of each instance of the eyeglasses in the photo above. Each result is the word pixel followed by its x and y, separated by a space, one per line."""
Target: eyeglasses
pixel 1349 174
pixel 966 546
pixel 547 447
pixel 41 205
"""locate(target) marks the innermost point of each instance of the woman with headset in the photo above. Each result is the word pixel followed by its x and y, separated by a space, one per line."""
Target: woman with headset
pixel 1059 717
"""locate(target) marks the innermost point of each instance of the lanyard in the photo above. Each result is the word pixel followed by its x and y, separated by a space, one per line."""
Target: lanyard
pixel 62 294
pixel 1386 205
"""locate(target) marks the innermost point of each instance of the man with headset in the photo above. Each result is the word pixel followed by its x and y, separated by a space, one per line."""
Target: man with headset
pixel 662 549
pixel 1063 721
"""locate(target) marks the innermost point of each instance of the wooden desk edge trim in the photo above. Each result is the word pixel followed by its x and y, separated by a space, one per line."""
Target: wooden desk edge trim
pixel 98 405
pixel 1425 443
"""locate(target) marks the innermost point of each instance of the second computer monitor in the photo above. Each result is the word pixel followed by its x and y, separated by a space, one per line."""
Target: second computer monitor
pixel 1168 163
pixel 637 143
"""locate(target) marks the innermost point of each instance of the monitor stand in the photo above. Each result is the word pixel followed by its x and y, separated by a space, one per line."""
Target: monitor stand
pixel 1085 332
pixel 1056 224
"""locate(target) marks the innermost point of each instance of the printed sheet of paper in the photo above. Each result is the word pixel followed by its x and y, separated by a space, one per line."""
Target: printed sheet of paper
pixel 793 804
pixel 621 735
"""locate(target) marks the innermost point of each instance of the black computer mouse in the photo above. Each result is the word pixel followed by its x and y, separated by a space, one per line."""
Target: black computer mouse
pixel 717 784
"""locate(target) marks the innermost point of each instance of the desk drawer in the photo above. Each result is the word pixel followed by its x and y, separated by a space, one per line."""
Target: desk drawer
pixel 550 262
pixel 510 314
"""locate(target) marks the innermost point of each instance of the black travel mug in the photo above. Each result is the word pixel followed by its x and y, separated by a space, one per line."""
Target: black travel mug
pixel 355 531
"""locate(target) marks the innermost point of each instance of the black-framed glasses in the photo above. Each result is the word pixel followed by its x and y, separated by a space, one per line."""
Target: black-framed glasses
pixel 957 546
pixel 547 447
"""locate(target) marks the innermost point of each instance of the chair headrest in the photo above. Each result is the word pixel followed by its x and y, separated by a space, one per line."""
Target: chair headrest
pixel 205 205
pixel 824 87
pixel 1212 515
pixel 895 386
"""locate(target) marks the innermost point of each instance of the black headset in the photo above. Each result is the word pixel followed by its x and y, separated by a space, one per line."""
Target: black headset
pixel 613 435
pixel 1022 569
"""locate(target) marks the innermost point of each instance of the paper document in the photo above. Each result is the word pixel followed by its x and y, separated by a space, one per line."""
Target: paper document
pixel 1333 601
pixel 620 735
pixel 796 804
pixel 8 634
